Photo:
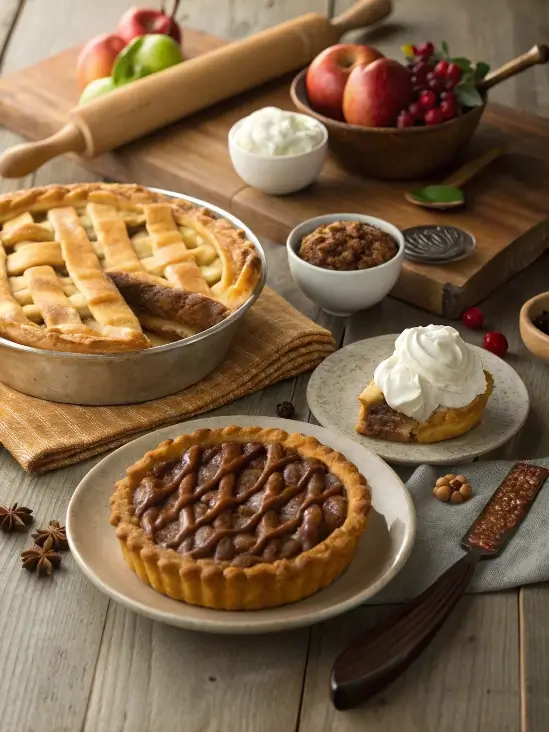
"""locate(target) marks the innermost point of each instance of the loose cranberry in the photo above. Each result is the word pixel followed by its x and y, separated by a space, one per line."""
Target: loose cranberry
pixel 433 116
pixel 473 318
pixel 416 110
pixel 425 50
pixel 496 343
pixel 405 119
pixel 441 69
pixel 448 108
pixel 427 99
pixel 453 73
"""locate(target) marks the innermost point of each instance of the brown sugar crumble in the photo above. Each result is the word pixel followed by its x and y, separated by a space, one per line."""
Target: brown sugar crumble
pixel 347 245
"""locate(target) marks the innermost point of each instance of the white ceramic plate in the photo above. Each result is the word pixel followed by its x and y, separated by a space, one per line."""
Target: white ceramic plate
pixel 334 387
pixel 381 554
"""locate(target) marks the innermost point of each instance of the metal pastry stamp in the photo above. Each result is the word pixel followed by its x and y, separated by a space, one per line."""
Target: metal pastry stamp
pixel 437 244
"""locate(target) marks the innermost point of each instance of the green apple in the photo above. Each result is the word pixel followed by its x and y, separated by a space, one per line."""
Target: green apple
pixel 96 88
pixel 146 55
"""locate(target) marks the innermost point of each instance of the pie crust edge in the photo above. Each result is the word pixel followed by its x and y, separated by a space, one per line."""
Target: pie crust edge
pixel 204 582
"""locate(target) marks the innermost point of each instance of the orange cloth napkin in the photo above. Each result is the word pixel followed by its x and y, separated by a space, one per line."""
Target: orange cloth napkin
pixel 274 342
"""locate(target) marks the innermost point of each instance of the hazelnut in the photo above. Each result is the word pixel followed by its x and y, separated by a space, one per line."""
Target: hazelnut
pixel 453 488
pixel 462 479
pixel 442 481
pixel 450 477
pixel 456 497
pixel 466 491
pixel 443 493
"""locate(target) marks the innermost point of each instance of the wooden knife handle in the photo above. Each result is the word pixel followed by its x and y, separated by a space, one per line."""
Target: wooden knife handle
pixel 385 651
pixel 362 14
pixel 537 55
pixel 473 167
pixel 20 160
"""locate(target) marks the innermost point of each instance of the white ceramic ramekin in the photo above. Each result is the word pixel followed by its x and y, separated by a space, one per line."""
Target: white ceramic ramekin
pixel 344 293
pixel 282 174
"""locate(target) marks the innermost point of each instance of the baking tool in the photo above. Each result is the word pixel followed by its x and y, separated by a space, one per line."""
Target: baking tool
pixel 155 101
pixel 352 368
pixel 436 244
pixel 388 153
pixel 535 340
pixel 508 216
pixel 381 553
pixel 448 194
pixel 386 651
pixel 125 378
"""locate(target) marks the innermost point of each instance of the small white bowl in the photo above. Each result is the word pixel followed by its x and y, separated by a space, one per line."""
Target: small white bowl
pixel 344 293
pixel 278 175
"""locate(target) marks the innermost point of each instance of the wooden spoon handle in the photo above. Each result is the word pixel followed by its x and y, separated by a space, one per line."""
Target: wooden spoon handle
pixel 387 650
pixel 362 14
pixel 23 159
pixel 537 55
pixel 470 169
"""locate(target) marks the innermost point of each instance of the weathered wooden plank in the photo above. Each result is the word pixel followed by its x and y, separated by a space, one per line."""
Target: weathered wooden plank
pixel 153 677
pixel 9 14
pixel 466 680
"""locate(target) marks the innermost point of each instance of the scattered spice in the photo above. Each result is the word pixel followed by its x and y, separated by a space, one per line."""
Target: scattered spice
pixel 16 518
pixel 542 322
pixel 285 410
pixel 453 488
pixel 43 559
pixel 53 531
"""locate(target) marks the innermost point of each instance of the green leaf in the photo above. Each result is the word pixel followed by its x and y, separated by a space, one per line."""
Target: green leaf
pixel 468 95
pixel 439 194
pixel 445 49
pixel 463 63
pixel 481 69
pixel 408 50
pixel 125 68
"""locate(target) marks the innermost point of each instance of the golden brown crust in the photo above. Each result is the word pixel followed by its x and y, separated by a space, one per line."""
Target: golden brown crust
pixel 229 283
pixel 215 584
pixel 377 419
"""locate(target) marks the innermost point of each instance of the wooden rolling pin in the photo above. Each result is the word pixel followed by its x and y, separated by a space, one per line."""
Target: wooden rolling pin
pixel 155 101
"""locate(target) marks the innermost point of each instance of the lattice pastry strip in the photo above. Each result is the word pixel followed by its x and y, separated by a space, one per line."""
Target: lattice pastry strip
pixel 50 300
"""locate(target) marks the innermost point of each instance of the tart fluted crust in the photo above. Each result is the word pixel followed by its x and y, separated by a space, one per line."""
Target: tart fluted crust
pixel 211 583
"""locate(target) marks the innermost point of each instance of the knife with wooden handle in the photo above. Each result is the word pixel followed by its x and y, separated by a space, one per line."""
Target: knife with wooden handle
pixel 155 101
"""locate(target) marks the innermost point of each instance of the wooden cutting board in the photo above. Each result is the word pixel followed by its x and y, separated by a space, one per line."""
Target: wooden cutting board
pixel 507 211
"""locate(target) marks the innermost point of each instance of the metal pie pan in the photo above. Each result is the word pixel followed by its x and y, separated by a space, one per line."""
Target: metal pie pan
pixel 135 376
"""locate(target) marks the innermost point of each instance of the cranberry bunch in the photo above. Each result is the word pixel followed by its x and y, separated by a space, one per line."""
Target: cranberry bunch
pixel 434 81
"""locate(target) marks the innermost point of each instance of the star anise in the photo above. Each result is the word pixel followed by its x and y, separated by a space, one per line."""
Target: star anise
pixel 43 559
pixel 16 518
pixel 53 531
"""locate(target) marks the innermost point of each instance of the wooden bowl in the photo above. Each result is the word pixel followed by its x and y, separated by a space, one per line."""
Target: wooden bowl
pixel 389 153
pixel 533 338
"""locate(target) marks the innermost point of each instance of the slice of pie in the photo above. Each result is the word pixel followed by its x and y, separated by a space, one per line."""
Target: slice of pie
pixel 101 268
pixel 240 518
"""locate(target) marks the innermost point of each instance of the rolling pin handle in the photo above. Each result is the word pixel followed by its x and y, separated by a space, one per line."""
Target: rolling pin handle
pixel 21 160
pixel 363 13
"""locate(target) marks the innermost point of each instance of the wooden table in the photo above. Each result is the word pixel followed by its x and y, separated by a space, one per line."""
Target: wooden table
pixel 72 660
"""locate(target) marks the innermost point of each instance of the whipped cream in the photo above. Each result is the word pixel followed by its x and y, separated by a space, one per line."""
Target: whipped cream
pixel 272 131
pixel 431 367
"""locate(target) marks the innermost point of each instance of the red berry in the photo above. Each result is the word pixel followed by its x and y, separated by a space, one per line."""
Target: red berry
pixel 441 69
pixel 425 50
pixel 433 116
pixel 436 85
pixel 427 99
pixel 449 84
pixel 448 108
pixel 448 96
pixel 496 343
pixel 453 73
pixel 473 318
pixel 416 110
pixel 421 69
pixel 405 119
pixel 430 76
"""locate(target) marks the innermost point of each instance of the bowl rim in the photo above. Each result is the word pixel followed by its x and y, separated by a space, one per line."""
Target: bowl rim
pixel 525 318
pixel 365 218
pixel 145 352
pixel 264 156
pixel 329 122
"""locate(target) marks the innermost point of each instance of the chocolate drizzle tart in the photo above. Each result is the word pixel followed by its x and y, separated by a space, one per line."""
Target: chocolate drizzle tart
pixel 240 518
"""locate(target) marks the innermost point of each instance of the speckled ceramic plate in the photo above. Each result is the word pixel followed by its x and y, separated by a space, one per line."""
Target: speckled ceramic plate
pixel 352 368
pixel 381 554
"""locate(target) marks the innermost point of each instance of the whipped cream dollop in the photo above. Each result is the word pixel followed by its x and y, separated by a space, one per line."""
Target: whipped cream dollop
pixel 431 367
pixel 273 131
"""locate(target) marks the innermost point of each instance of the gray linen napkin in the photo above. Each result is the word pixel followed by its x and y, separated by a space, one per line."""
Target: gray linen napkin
pixel 440 526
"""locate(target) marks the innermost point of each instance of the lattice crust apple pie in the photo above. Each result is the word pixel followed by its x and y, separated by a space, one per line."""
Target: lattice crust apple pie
pixel 103 268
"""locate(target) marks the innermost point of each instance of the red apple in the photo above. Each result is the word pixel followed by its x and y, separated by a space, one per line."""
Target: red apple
pixel 96 59
pixel 328 74
pixel 375 94
pixel 142 21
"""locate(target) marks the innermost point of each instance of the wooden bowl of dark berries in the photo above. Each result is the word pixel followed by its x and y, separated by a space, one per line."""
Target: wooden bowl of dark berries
pixel 534 326
pixel 399 121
